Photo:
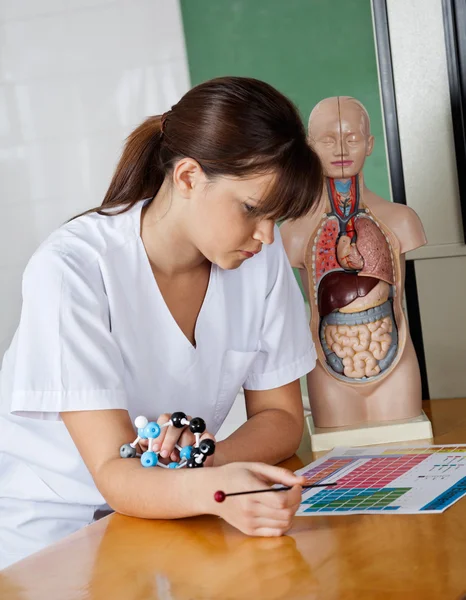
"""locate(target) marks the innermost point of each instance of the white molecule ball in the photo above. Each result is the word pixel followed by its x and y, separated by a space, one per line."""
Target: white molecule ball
pixel 140 422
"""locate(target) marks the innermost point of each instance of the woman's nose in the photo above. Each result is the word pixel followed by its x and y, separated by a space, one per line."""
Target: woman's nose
pixel 264 231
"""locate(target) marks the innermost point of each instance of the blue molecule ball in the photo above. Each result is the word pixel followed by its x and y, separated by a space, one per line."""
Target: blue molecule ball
pixel 151 430
pixel 186 452
pixel 173 465
pixel 141 433
pixel 149 459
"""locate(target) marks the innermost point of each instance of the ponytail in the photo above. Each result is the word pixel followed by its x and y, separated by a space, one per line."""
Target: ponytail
pixel 139 173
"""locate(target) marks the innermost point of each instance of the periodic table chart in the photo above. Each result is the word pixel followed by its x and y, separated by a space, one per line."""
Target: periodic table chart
pixel 385 480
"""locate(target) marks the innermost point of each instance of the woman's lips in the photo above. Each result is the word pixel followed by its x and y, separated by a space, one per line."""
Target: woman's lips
pixel 249 254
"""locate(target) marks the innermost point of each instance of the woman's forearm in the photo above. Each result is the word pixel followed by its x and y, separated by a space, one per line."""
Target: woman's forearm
pixel 269 436
pixel 133 490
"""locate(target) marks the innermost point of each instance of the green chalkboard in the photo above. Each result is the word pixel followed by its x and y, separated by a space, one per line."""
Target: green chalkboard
pixel 308 49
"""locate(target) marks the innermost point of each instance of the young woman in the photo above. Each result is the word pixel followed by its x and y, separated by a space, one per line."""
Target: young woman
pixel 169 297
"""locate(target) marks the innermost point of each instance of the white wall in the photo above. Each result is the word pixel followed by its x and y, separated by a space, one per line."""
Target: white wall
pixel 76 76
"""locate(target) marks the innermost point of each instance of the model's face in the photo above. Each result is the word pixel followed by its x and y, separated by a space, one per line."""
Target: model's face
pixel 339 134
pixel 221 223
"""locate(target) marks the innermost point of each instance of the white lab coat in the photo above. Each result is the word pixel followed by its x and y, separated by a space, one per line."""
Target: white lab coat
pixel 95 333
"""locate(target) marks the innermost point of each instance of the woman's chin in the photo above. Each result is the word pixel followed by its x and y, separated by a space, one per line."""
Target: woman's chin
pixel 229 263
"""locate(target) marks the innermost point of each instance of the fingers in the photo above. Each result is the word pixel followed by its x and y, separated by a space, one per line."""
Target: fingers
pixel 171 437
pixel 281 513
pixel 273 474
pixel 186 439
pixel 143 445
pixel 170 440
pixel 157 444
pixel 269 522
pixel 281 526
pixel 274 514
pixel 281 500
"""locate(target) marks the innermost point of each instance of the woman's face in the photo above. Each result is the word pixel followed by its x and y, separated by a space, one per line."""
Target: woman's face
pixel 222 224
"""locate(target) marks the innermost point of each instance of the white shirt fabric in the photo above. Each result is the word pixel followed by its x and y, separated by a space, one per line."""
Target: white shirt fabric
pixel 96 334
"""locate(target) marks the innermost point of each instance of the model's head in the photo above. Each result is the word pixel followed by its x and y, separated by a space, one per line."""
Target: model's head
pixel 339 130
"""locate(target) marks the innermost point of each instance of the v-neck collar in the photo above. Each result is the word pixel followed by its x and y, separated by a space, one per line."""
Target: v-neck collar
pixel 162 305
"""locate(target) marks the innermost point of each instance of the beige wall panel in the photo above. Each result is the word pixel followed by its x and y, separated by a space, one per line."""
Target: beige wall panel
pixel 442 292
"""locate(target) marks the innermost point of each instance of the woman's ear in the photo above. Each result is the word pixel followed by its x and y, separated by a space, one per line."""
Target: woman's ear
pixel 187 175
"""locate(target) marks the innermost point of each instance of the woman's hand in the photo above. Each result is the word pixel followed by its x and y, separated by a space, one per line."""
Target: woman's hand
pixel 170 437
pixel 269 514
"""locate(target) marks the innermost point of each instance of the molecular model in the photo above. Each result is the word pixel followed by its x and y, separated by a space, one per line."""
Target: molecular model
pixel 190 456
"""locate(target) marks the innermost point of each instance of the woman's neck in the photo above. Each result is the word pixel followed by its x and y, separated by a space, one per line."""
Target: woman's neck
pixel 163 233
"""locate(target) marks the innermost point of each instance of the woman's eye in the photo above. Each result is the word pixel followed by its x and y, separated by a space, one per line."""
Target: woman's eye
pixel 249 208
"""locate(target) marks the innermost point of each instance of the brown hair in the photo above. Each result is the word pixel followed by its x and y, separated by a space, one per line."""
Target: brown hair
pixel 233 126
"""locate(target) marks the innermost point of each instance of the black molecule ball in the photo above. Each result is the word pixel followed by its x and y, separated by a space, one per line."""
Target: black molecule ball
pixel 197 425
pixel 176 419
pixel 207 447
pixel 196 452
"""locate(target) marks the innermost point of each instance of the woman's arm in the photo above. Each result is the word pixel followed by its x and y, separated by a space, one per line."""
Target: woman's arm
pixel 126 485
pixel 273 430
pixel 154 493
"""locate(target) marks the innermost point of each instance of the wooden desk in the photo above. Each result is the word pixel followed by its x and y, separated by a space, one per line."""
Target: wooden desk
pixel 324 558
